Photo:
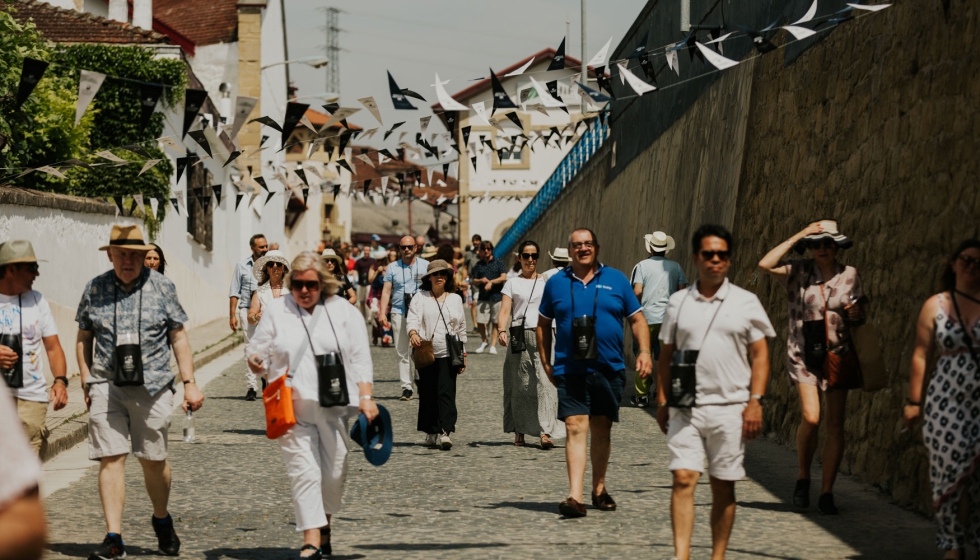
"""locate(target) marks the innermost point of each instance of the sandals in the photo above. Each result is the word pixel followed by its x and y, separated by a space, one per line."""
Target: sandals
pixel 546 442
pixel 325 547
pixel 317 554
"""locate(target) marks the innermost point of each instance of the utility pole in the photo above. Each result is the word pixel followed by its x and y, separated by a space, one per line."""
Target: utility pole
pixel 584 78
pixel 333 50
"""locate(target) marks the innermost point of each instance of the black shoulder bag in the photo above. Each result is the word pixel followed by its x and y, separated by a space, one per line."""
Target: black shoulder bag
pixel 330 372
pixel 454 346
pixel 516 331
pixel 584 345
pixel 14 376
pixel 128 357
pixel 683 368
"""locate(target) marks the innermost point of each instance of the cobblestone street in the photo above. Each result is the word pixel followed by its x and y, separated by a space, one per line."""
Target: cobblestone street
pixel 483 498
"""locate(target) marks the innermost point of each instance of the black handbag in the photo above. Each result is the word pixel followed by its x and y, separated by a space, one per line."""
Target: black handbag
pixel 330 372
pixel 127 363
pixel 454 346
pixel 682 392
pixel 584 345
pixel 516 331
pixel 14 376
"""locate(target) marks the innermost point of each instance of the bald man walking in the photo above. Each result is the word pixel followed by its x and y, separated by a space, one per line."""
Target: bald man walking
pixel 401 282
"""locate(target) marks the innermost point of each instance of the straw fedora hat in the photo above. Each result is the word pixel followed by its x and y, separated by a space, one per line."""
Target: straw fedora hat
pixel 17 251
pixel 127 237
pixel 437 266
pixel 561 254
pixel 331 255
pixel 258 269
pixel 830 231
pixel 429 251
pixel 658 242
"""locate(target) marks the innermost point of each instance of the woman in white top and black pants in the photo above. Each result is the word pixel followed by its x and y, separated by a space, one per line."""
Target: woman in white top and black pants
pixel 435 312
pixel 312 321
pixel 530 400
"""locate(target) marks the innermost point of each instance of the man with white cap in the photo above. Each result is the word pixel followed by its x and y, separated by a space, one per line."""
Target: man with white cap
pixel 654 279
pixel 27 326
pixel 560 259
pixel 129 320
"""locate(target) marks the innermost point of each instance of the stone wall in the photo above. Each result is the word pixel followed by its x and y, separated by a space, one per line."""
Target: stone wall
pixel 877 125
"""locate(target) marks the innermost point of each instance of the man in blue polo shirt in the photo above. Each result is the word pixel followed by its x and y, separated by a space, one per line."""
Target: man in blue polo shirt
pixel 587 302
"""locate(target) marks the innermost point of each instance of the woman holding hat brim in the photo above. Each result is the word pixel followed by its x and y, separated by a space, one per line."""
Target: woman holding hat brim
pixel 812 285
pixel 435 312
pixel 270 271
pixel 335 264
pixel 530 400
pixel 315 448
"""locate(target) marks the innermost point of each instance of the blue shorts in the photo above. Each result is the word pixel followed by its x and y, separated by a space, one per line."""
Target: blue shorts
pixel 593 394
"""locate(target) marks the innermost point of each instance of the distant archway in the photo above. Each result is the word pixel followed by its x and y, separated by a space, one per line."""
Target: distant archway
pixel 502 229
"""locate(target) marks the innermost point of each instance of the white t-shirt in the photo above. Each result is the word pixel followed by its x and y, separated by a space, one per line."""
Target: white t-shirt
pixel 520 292
pixel 549 273
pixel 37 324
pixel 723 370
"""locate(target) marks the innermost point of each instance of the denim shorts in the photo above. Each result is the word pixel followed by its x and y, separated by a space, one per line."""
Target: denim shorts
pixel 593 394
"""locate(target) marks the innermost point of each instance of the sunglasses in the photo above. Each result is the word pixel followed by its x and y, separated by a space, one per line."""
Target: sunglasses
pixel 275 265
pixel 824 244
pixel 440 274
pixel 407 247
pixel 532 256
pixel 966 260
pixel 310 285
pixel 710 255
pixel 33 267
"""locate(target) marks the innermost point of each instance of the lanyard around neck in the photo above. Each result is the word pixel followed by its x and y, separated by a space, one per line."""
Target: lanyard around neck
pixel 595 302
pixel 115 315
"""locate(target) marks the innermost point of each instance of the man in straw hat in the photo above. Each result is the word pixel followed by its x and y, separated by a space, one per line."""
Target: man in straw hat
pixel 401 282
pixel 243 285
pixel 27 327
pixel 654 279
pixel 560 259
pixel 128 319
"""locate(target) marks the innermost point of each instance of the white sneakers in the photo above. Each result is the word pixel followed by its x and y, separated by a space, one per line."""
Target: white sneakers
pixel 431 440
pixel 445 442
pixel 482 348
pixel 493 349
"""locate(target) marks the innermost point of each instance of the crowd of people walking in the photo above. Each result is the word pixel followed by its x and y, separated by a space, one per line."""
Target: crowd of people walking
pixel 700 355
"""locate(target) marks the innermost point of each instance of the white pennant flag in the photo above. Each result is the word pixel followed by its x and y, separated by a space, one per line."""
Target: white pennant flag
pixel 154 205
pixel 544 95
pixel 869 7
pixel 51 171
pixel 106 154
pixel 366 159
pixel 347 154
pixel 430 170
pixel 306 122
pixel 371 106
pixel 440 200
pixel 455 199
pixel 337 116
pixel 309 168
pixel 600 57
pixel 367 134
pixel 673 62
pixel 170 143
pixel 481 111
pixel 716 59
pixel 180 201
pixel 382 158
pixel 88 86
pixel 148 165
pixel 520 70
pixel 361 196
pixel 384 185
pixel 799 32
pixel 243 108
pixel 446 100
pixel 395 200
pixel 638 85
pixel 424 124
pixel 139 200
pixel 809 15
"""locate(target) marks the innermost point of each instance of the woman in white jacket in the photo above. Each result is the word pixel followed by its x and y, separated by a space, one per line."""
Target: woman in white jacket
pixel 435 312
pixel 312 321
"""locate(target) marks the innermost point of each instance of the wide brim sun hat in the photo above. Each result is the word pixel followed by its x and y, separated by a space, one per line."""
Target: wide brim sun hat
pixel 429 252
pixel 375 438
pixel 127 237
pixel 17 251
pixel 258 269
pixel 436 266
pixel 560 254
pixel 658 242
pixel 830 231
pixel 331 255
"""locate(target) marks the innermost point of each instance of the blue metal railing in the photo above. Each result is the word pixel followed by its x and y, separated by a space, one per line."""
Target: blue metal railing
pixel 564 173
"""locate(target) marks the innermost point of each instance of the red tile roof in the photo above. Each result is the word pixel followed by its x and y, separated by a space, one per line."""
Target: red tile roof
pixel 68 26
pixel 203 23
pixel 393 166
pixel 319 119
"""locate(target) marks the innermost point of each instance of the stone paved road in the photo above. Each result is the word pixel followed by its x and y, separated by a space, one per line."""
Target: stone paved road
pixel 484 498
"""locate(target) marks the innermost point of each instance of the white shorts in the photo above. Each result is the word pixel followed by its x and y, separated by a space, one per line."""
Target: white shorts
pixel 124 418
pixel 713 432
pixel 486 312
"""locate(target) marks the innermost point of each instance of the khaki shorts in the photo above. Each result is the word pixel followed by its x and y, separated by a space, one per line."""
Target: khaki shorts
pixel 711 432
pixel 121 414
pixel 32 415
pixel 486 312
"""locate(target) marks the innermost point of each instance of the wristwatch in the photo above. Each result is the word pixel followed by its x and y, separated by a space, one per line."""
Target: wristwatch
pixel 758 398
pixel 191 380
pixel 63 379
pixel 367 397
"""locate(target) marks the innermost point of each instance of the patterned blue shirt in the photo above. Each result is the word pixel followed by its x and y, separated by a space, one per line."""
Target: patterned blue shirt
pixel 107 309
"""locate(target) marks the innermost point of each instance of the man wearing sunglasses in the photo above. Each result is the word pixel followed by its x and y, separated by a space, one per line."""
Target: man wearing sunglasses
pixel 27 324
pixel 728 327
pixel 401 282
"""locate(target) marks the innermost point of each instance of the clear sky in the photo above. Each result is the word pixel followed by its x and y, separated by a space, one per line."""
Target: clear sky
pixel 459 39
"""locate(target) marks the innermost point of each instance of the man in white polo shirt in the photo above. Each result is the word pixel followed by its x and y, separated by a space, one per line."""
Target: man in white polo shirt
pixel 729 327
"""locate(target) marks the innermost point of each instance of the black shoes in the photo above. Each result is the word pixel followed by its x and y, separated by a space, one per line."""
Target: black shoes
pixel 801 495
pixel 315 556
pixel 406 395
pixel 640 401
pixel 111 549
pixel 250 395
pixel 166 536
pixel 825 504
pixel 325 547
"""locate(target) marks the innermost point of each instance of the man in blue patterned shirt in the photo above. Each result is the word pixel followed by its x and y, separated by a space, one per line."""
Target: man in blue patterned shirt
pixel 128 319
pixel 243 285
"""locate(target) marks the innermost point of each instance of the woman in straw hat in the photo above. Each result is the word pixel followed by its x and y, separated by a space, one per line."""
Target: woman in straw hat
pixel 335 264
pixel 949 325
pixel 270 271
pixel 530 400
pixel 437 311
pixel 824 297
pixel 308 326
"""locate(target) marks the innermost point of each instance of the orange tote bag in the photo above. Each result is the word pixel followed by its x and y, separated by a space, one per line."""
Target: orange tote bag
pixel 279 415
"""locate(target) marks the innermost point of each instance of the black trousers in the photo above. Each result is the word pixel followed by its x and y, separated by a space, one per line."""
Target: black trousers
pixel 437 398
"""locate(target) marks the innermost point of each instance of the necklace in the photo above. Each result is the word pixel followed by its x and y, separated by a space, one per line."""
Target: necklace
pixel 968 296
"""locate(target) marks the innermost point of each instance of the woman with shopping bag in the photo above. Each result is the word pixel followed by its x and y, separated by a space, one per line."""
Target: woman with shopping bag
pixel 312 346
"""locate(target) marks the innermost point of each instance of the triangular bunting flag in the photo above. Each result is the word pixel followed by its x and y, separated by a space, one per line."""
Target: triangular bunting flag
pixel 193 101
pixel 558 61
pixel 217 193
pixel 88 85
pixel 294 112
pixel 202 141
pixel 500 98
pixel 148 165
pixel 238 200
pixel 149 95
pixel 397 97
pixel 371 106
pixel 243 108
pixel 30 75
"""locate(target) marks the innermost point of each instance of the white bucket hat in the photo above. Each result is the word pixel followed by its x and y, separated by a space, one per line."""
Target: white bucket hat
pixel 258 269
pixel 560 254
pixel 658 242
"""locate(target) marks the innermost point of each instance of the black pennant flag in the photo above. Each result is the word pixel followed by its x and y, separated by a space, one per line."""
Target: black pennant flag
pixel 387 152
pixel 515 119
pixel 176 207
pixel 392 129
pixel 294 112
pixel 182 163
pixel 306 194
pixel 202 141
pixel 261 182
pixel 466 135
pixel 193 101
pixel 343 163
pixel 119 203
pixel 30 75
pixel 692 50
pixel 136 149
pixel 217 193
pixel 640 48
pixel 500 98
pixel 451 118
pixel 398 98
pixel 558 62
pixel 367 186
pixel 473 160
pixel 268 198
pixel 302 176
pixel 418 176
pixel 336 191
pixel 267 121
pixel 445 172
pixel 409 93
pixel 234 155
pixel 344 139
pixel 600 78
pixel 648 68
pixel 238 199
pixel 553 90
pixel 149 95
